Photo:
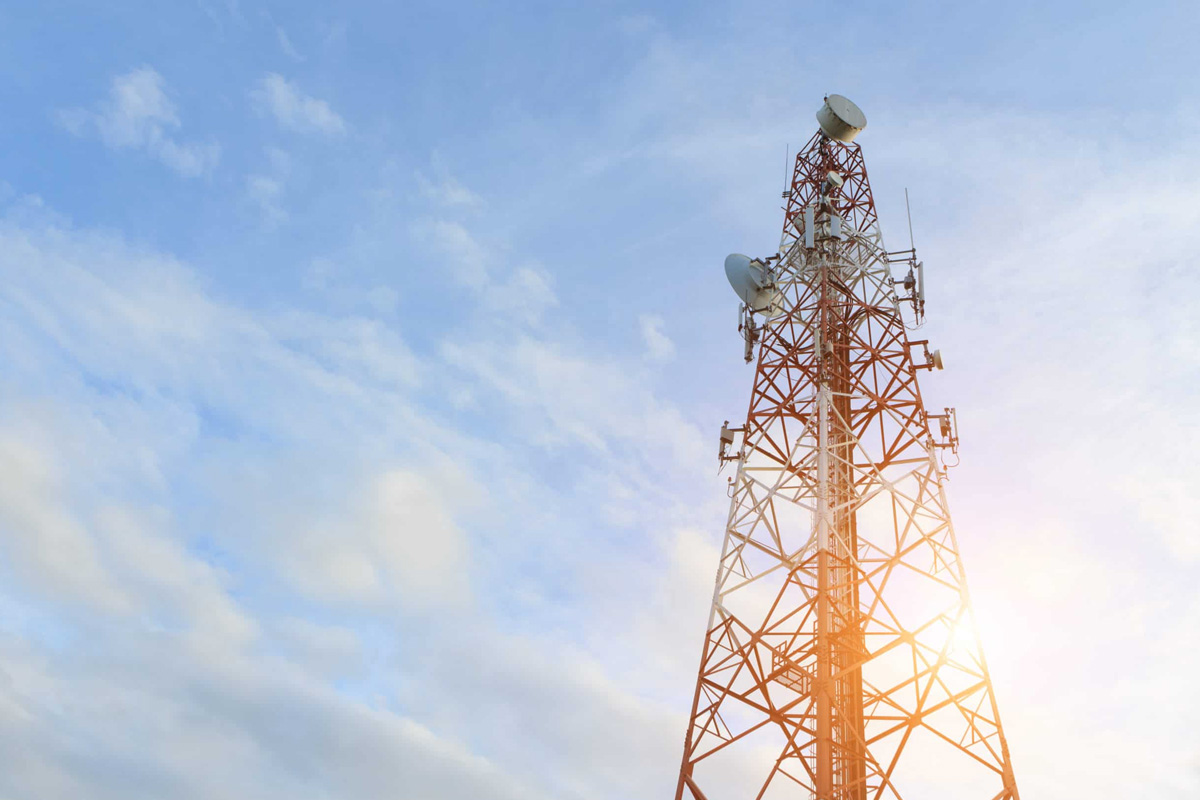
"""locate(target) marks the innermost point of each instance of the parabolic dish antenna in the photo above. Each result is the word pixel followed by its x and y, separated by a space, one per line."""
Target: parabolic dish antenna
pixel 750 281
pixel 840 119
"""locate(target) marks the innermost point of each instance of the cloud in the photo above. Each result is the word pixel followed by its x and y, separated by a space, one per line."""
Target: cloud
pixel 54 552
pixel 447 191
pixel 285 44
pixel 515 703
pixel 139 115
pixel 150 717
pixel 180 648
pixel 147 322
pixel 595 403
pixel 266 192
pixel 295 110
pixel 329 651
pixel 466 259
pixel 321 278
pixel 400 541
pixel 525 295
pixel 266 189
pixel 167 397
pixel 658 346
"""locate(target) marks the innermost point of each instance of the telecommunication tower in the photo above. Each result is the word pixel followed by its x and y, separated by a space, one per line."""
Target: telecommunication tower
pixel 841 660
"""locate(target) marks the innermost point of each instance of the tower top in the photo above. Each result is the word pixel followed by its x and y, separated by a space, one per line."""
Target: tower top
pixel 840 119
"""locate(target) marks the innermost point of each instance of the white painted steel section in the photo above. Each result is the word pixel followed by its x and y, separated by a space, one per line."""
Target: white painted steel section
pixel 823 521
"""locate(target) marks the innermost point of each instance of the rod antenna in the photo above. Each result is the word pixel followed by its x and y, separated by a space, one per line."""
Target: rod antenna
pixel 908 208
pixel 787 184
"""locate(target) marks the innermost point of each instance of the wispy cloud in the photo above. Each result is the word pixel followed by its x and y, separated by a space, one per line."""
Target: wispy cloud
pixel 447 191
pixel 267 187
pixel 295 110
pixel 466 259
pixel 285 44
pixel 194 388
pixel 140 115
pixel 659 346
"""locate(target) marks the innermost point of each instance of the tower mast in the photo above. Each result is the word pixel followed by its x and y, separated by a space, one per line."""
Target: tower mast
pixel 840 638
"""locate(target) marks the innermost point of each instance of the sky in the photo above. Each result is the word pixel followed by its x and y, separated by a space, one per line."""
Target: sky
pixel 361 370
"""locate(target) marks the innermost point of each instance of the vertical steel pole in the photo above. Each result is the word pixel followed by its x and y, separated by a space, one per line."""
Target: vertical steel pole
pixel 824 687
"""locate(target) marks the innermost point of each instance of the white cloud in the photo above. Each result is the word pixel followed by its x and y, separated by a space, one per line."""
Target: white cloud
pixel 581 400
pixel 294 109
pixel 169 579
pixel 329 651
pixel 447 191
pixel 525 295
pixel 302 495
pixel 50 547
pixel 466 259
pixel 138 115
pixel 267 192
pixel 400 541
pixel 321 277
pixel 520 296
pixel 266 189
pixel 417 535
pixel 515 703
pixel 179 644
pixel 659 346
pixel 149 718
pixel 285 44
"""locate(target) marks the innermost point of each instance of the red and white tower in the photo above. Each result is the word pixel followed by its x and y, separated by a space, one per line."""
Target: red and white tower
pixel 841 660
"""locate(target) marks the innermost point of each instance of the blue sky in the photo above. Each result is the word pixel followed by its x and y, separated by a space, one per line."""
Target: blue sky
pixel 361 369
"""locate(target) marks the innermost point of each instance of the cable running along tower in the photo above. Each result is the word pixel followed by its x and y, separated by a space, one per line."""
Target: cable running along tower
pixel 841 660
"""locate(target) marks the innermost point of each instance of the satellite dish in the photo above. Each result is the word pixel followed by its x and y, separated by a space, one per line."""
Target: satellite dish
pixel 750 281
pixel 840 119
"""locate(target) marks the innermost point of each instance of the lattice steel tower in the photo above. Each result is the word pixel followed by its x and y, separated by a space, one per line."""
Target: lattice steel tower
pixel 841 660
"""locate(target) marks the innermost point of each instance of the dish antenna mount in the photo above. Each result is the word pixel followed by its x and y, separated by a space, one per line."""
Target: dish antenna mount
pixel 752 281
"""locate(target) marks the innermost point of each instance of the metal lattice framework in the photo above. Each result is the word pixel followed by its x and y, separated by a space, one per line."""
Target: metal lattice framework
pixel 841 660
